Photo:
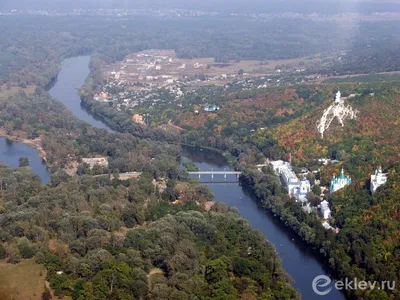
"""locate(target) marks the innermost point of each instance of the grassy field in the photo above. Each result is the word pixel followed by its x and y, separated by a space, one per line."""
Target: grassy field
pixel 23 281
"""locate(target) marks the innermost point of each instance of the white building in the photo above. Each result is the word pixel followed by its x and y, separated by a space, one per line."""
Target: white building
pixel 378 179
pixel 295 187
pixel 289 179
pixel 303 189
pixel 325 210
pixel 276 165
pixel 101 161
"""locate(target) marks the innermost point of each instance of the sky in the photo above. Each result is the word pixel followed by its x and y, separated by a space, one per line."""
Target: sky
pixel 301 6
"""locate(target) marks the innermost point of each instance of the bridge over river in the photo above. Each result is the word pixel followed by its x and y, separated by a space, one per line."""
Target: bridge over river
pixel 221 173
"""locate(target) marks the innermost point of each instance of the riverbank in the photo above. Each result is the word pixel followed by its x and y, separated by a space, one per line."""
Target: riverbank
pixel 33 143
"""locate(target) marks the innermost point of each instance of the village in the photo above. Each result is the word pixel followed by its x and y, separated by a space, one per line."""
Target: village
pixel 157 78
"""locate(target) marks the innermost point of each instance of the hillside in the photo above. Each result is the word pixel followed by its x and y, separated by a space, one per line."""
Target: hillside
pixel 370 226
pixel 363 142
pixel 284 121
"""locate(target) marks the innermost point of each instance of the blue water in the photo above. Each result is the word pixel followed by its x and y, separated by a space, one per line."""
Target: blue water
pixel 72 76
pixel 10 153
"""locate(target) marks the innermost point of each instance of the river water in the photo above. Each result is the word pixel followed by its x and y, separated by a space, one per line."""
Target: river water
pixel 299 262
pixel 72 76
pixel 11 152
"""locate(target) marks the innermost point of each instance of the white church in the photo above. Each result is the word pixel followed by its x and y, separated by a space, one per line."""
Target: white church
pixel 378 179
pixel 302 189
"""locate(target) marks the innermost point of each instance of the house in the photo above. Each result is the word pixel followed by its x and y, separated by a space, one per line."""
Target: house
pixel 289 179
pixel 378 179
pixel 99 161
pixel 340 182
pixel 211 108
pixel 138 119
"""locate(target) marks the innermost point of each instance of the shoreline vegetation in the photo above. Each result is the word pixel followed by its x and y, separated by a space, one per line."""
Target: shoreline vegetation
pixel 190 167
pixel 28 142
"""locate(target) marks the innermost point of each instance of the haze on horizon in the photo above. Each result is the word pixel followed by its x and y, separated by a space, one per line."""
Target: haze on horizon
pixel 249 6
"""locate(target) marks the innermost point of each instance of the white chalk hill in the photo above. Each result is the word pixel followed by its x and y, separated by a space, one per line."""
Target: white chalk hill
pixel 338 110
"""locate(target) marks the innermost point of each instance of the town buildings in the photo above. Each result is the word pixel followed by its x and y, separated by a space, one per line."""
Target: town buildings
pixel 377 179
pixel 340 182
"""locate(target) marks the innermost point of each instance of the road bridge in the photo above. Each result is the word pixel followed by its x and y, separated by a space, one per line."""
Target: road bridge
pixel 213 173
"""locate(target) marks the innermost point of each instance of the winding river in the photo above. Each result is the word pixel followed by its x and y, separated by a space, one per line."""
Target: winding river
pixel 299 262
pixel 72 76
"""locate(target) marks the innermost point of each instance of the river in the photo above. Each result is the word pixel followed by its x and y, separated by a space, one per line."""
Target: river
pixel 299 262
pixel 11 152
pixel 72 76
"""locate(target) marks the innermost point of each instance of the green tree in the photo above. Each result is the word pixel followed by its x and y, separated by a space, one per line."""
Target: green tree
pixel 316 189
pixel 215 270
pixel 3 252
pixel 23 162
pixel 46 295
pixel 25 248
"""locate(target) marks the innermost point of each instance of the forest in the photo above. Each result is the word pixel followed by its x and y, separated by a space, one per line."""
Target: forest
pixel 100 238
pixel 278 122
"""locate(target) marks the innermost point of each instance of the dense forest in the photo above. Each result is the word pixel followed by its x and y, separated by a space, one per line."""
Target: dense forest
pixel 221 38
pixel 106 239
